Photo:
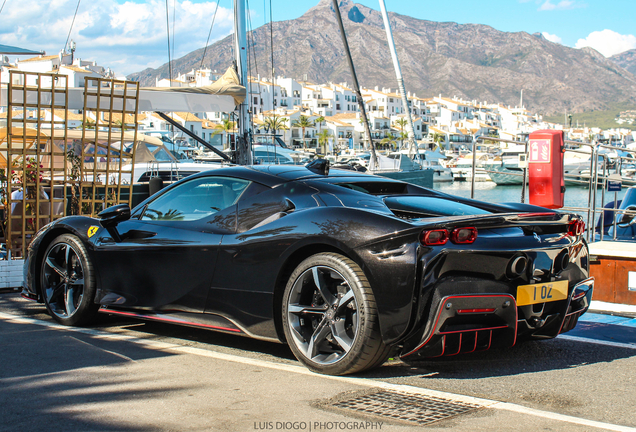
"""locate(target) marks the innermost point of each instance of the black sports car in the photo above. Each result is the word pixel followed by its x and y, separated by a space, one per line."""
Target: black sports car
pixel 346 268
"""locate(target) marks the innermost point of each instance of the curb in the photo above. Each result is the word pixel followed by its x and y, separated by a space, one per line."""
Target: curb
pixel 613 309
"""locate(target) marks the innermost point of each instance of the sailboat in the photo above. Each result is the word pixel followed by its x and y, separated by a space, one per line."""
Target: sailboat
pixel 400 167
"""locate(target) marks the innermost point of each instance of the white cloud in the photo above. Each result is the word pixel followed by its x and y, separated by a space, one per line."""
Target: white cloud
pixel 552 38
pixel 563 4
pixel 608 42
pixel 126 37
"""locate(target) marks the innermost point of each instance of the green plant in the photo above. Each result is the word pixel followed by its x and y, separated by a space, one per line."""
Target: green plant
pixel 323 139
pixel 226 126
pixel 401 123
pixel 27 174
pixel 303 122
pixel 88 124
pixel 3 200
pixel 275 123
pixel 388 141
pixel 74 178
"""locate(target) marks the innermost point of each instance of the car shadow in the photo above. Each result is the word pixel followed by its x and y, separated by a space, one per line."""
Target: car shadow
pixel 522 358
pixel 207 337
pixel 43 372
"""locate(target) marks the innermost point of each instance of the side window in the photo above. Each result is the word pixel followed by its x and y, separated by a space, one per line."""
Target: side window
pixel 196 199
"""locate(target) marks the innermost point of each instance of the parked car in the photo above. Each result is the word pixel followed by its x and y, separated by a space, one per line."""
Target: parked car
pixel 346 268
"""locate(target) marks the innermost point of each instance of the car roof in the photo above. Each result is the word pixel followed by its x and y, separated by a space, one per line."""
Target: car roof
pixel 273 175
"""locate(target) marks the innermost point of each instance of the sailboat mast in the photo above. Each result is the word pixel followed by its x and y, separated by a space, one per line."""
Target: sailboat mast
pixel 398 73
pixel 243 143
pixel 374 159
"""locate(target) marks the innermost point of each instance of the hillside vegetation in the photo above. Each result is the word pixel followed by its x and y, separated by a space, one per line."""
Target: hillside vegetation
pixel 604 119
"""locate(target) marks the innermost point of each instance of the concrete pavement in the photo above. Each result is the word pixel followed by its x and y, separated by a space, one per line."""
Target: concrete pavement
pixel 55 377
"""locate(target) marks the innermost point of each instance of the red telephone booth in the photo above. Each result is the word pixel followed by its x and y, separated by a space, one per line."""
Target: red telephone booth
pixel 545 168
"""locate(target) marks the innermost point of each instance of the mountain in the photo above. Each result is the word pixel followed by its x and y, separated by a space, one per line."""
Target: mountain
pixel 472 61
pixel 626 60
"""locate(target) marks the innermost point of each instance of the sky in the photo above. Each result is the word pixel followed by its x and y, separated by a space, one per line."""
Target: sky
pixel 129 36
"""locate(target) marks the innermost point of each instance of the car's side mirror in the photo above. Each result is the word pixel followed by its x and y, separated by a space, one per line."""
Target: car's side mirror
pixel 628 219
pixel 112 216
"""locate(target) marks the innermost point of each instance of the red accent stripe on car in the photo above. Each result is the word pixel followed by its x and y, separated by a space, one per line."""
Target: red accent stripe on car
pixel 472 311
pixel 514 302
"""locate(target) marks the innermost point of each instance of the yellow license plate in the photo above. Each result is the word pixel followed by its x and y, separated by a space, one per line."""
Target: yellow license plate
pixel 542 293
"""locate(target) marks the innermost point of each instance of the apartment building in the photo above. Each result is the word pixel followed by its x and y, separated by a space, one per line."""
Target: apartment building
pixel 455 118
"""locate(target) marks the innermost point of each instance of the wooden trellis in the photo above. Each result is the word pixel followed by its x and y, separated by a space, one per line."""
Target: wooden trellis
pixel 31 193
pixel 51 171
pixel 107 178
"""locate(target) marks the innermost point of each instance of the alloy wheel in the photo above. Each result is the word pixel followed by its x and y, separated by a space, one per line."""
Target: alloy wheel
pixel 63 280
pixel 323 315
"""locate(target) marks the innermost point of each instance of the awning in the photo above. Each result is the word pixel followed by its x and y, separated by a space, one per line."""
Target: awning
pixel 228 85
pixel 221 96
pixel 6 49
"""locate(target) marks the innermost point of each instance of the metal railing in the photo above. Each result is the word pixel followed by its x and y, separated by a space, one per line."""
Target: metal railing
pixel 601 167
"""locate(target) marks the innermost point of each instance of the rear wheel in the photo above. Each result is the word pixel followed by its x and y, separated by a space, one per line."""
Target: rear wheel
pixel 67 281
pixel 330 316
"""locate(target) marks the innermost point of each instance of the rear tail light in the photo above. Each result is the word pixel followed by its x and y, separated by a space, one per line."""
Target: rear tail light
pixel 463 235
pixel 435 237
pixel 576 227
pixel 439 237
pixel 581 229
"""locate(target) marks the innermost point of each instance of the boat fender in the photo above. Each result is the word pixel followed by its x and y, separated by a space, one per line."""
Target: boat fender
pixel 155 184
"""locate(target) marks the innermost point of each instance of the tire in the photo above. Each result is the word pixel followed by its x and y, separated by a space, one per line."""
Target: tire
pixel 67 282
pixel 330 317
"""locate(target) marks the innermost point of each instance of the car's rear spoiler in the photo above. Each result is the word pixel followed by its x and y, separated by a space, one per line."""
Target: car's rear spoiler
pixel 501 220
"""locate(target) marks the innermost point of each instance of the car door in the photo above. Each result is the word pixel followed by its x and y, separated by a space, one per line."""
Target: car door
pixel 168 249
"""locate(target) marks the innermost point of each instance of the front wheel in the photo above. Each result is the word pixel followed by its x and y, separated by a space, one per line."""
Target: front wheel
pixel 330 316
pixel 67 281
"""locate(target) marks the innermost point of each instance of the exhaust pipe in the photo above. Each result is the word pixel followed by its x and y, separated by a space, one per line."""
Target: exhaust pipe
pixel 562 261
pixel 517 266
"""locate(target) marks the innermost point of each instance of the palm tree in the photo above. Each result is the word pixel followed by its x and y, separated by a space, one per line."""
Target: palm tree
pixel 303 122
pixel 226 126
pixel 402 122
pixel 276 123
pixel 388 141
pixel 364 133
pixel 438 138
pixel 319 121
pixel 402 136
pixel 323 139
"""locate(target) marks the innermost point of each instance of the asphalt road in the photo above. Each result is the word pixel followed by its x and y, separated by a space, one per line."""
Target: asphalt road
pixel 122 375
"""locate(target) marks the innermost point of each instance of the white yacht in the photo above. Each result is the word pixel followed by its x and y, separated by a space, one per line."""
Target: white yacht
pixel 430 160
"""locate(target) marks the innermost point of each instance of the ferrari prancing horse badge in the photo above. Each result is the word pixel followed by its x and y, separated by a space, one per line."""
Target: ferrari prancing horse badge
pixel 92 230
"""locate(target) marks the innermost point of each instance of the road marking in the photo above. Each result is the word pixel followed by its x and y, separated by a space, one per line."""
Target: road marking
pixel 486 403
pixel 116 354
pixel 608 319
pixel 598 342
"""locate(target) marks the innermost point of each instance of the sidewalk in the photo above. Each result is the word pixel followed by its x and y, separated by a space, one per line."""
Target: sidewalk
pixel 613 309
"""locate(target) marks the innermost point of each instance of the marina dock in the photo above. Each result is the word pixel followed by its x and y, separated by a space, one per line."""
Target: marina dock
pixel 613 264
